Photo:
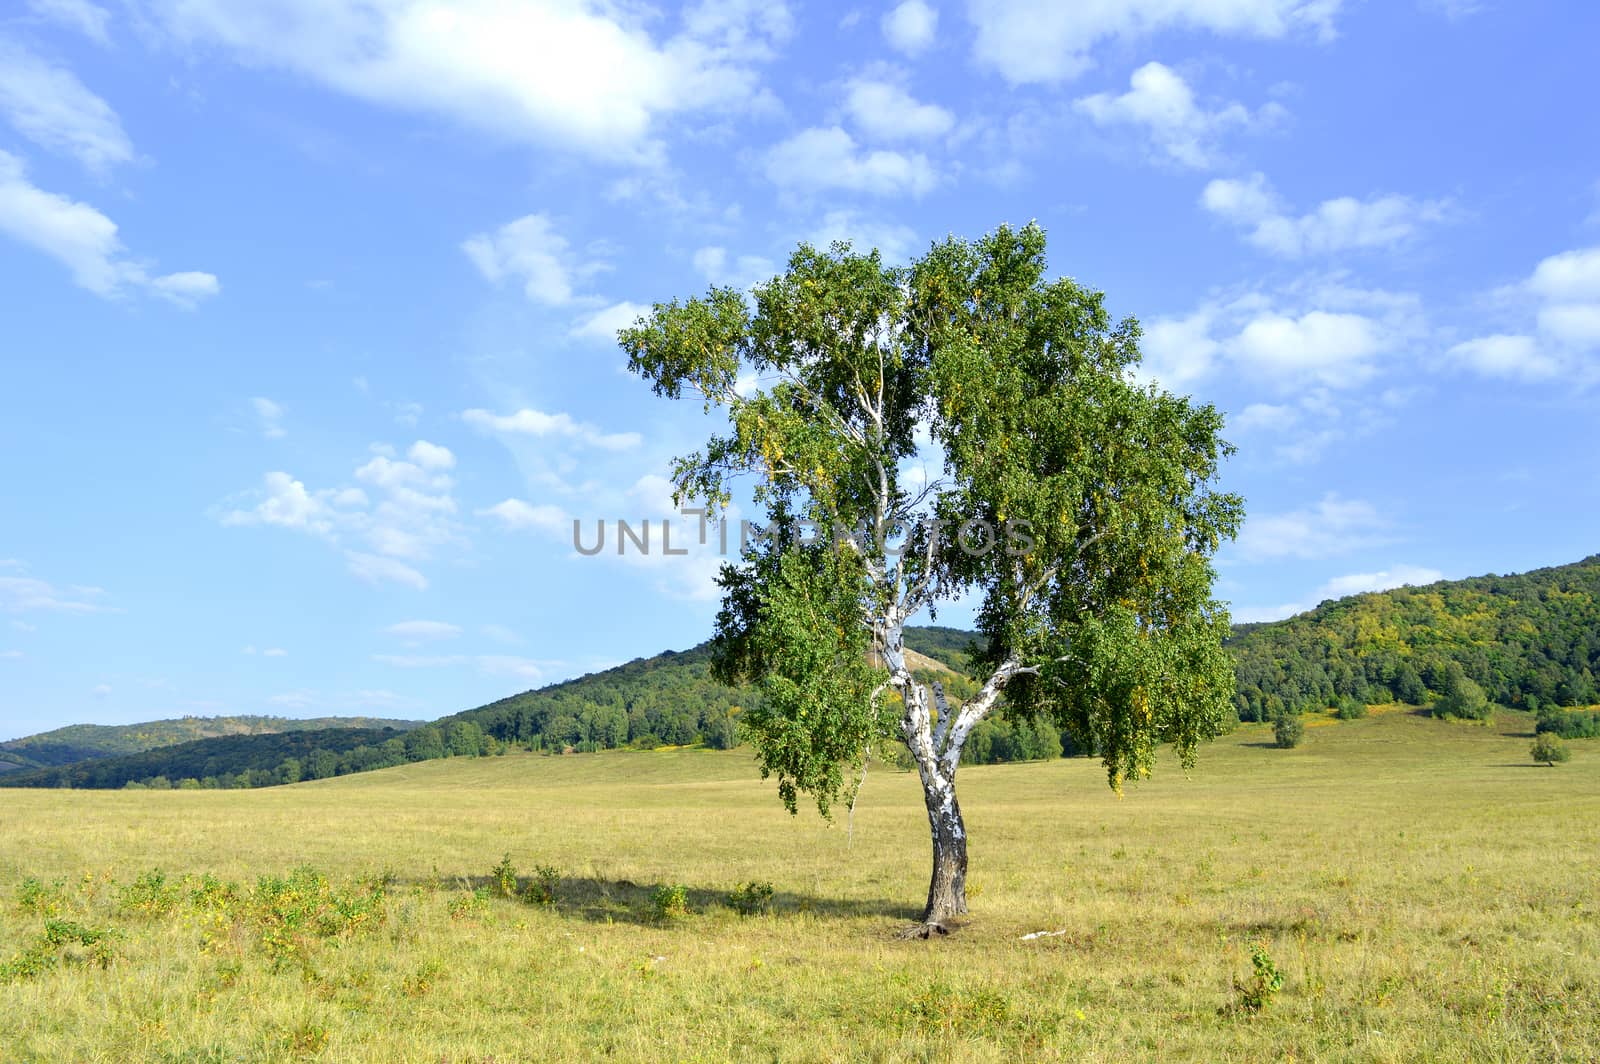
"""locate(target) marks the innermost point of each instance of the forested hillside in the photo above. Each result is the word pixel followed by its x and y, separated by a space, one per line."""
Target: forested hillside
pixel 85 742
pixel 1530 641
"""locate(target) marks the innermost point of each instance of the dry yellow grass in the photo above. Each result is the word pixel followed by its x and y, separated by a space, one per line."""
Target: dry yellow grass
pixel 1427 892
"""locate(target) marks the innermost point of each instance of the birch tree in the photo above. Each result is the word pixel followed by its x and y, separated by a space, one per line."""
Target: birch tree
pixel 1077 507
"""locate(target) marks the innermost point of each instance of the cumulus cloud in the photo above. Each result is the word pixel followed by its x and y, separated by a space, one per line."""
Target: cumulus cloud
pixel 1341 224
pixel 1562 300
pixel 864 232
pixel 409 517
pixel 85 241
pixel 910 27
pixel 739 271
pixel 1032 41
pixel 823 159
pixel 1342 587
pixel 1162 106
pixel 605 323
pixel 530 251
pixel 1326 529
pixel 517 515
pixel 51 107
pixel 537 423
pixel 885 111
pixel 591 77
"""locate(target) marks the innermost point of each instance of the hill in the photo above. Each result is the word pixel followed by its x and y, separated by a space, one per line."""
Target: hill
pixel 85 742
pixel 1530 640
pixel 224 761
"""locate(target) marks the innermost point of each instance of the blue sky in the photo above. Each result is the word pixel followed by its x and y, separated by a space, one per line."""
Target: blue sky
pixel 308 304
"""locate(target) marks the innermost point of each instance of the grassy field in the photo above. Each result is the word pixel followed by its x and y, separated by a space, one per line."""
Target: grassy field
pixel 1425 891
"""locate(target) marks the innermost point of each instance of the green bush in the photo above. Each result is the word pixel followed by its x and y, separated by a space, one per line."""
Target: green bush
pixel 751 899
pixel 542 890
pixel 504 876
pixel 1350 708
pixel 149 895
pixel 1548 749
pixel 1263 985
pixel 1288 729
pixel 670 902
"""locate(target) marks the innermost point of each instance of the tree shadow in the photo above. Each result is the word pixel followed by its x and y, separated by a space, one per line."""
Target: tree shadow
pixel 599 899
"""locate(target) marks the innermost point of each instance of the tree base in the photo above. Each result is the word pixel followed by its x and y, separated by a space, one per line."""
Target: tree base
pixel 930 929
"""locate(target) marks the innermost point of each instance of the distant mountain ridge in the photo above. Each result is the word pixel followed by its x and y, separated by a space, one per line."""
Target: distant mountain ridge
pixel 86 742
pixel 1532 641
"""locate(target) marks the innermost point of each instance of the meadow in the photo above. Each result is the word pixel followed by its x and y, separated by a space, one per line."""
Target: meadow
pixel 1421 889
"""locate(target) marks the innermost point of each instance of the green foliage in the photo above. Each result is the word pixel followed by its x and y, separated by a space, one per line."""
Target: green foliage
pixel 752 898
pixel 149 895
pixel 1288 729
pixel 1548 749
pixel 541 890
pixel 1350 708
pixel 1525 640
pixel 1000 739
pixel 470 905
pixel 37 897
pixel 670 901
pixel 289 912
pixel 1568 724
pixel 504 876
pixel 792 622
pixel 46 950
pixel 1256 993
pixel 85 742
pixel 1463 699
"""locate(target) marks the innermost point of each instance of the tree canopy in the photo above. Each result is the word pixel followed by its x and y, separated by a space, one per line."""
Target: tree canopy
pixel 1077 506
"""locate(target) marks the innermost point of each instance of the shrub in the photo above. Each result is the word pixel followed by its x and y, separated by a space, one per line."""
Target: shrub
pixel 1263 985
pixel 34 896
pixel 1288 729
pixel 542 890
pixel 1463 698
pixel 1548 749
pixel 1351 708
pixel 504 876
pixel 751 899
pixel 470 906
pixel 149 895
pixel 671 902
pixel 1568 724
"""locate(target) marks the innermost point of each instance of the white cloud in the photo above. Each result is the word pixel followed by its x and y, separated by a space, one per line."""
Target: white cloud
pixel 21 594
pixel 431 456
pixel 910 27
pixel 270 414
pixel 418 630
pixel 1027 41
pixel 1334 349
pixel 743 271
pixel 1331 527
pixel 374 569
pixel 519 515
pixel 51 107
pixel 1342 587
pixel 102 690
pixel 885 111
pixel 823 159
pixel 1336 225
pixel 85 241
pixel 79 15
pixel 529 250
pixel 592 77
pixel 863 233
pixel 604 324
pixel 1563 338
pixel 529 422
pixel 1503 355
pixel 11 655
pixel 1162 104
pixel 413 515
pixel 1179 351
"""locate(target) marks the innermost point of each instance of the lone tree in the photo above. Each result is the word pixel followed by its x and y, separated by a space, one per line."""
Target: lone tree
pixel 1075 504
pixel 1548 749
